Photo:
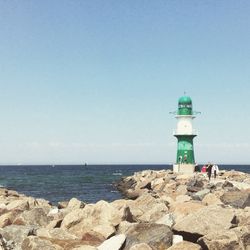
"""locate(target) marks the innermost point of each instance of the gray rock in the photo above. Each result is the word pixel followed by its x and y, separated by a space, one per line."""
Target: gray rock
pixel 196 182
pixel 220 240
pixel 200 194
pixel 127 215
pixel 15 234
pixel 167 220
pixel 125 183
pixel 227 184
pixel 208 219
pixel 35 216
pixel 134 193
pixel 243 234
pixel 238 199
pixel 243 216
pixel 154 213
pixel 155 235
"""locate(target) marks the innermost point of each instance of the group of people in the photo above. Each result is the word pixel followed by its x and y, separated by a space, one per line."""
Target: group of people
pixel 210 169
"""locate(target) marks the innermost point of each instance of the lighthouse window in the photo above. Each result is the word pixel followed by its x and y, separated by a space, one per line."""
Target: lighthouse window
pixel 185 106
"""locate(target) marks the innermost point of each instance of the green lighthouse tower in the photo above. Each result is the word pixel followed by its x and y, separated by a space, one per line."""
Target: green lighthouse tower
pixel 185 161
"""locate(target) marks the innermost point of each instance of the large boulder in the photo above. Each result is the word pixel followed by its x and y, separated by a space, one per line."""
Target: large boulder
pixel 104 230
pixel 154 213
pixel 114 243
pixel 227 185
pixel 182 198
pixel 170 189
pixel 167 199
pixel 211 199
pixel 21 204
pixel 13 193
pixel 235 176
pixel 225 239
pixel 145 202
pixel 123 206
pixel 200 194
pixel 158 184
pixel 36 216
pixel 167 219
pixel 126 183
pixel 55 233
pixel 125 226
pixel 242 185
pixel 25 203
pixel 74 204
pixel 238 199
pixel 81 221
pixel 55 243
pixel 195 184
pixel 243 216
pixel 243 234
pixel 8 218
pixel 15 234
pixel 127 215
pixel 157 236
pixel 38 202
pixel 181 189
pixel 182 179
pixel 180 210
pixel 75 217
pixel 3 192
pixel 139 206
pixel 35 243
pixel 208 219
pixel 135 193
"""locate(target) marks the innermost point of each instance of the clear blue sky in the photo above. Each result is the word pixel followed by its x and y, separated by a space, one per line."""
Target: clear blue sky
pixel 94 81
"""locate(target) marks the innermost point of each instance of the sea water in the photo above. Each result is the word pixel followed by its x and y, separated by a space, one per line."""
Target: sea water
pixel 87 183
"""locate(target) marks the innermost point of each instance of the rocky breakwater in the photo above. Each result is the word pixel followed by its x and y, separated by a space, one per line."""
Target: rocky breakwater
pixel 160 210
pixel 200 214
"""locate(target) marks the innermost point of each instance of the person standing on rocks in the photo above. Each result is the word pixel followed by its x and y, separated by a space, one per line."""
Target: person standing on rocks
pixel 215 170
pixel 204 170
pixel 209 170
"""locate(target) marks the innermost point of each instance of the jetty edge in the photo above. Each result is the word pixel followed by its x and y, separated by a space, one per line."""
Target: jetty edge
pixel 160 210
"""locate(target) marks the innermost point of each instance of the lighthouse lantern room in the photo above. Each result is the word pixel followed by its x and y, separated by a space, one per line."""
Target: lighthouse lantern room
pixel 185 161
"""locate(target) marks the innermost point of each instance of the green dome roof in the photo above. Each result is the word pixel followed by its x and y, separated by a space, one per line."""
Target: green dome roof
pixel 185 100
pixel 185 106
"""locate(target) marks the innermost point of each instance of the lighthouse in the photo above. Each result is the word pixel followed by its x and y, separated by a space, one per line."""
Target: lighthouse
pixel 185 161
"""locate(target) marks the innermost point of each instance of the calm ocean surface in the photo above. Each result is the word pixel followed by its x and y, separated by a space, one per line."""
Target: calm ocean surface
pixel 87 183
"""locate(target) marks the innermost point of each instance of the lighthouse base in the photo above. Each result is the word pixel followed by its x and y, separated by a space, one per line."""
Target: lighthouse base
pixel 184 168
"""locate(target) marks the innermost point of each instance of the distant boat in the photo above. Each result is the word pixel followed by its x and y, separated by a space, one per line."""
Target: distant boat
pixel 53 166
pixel 85 164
